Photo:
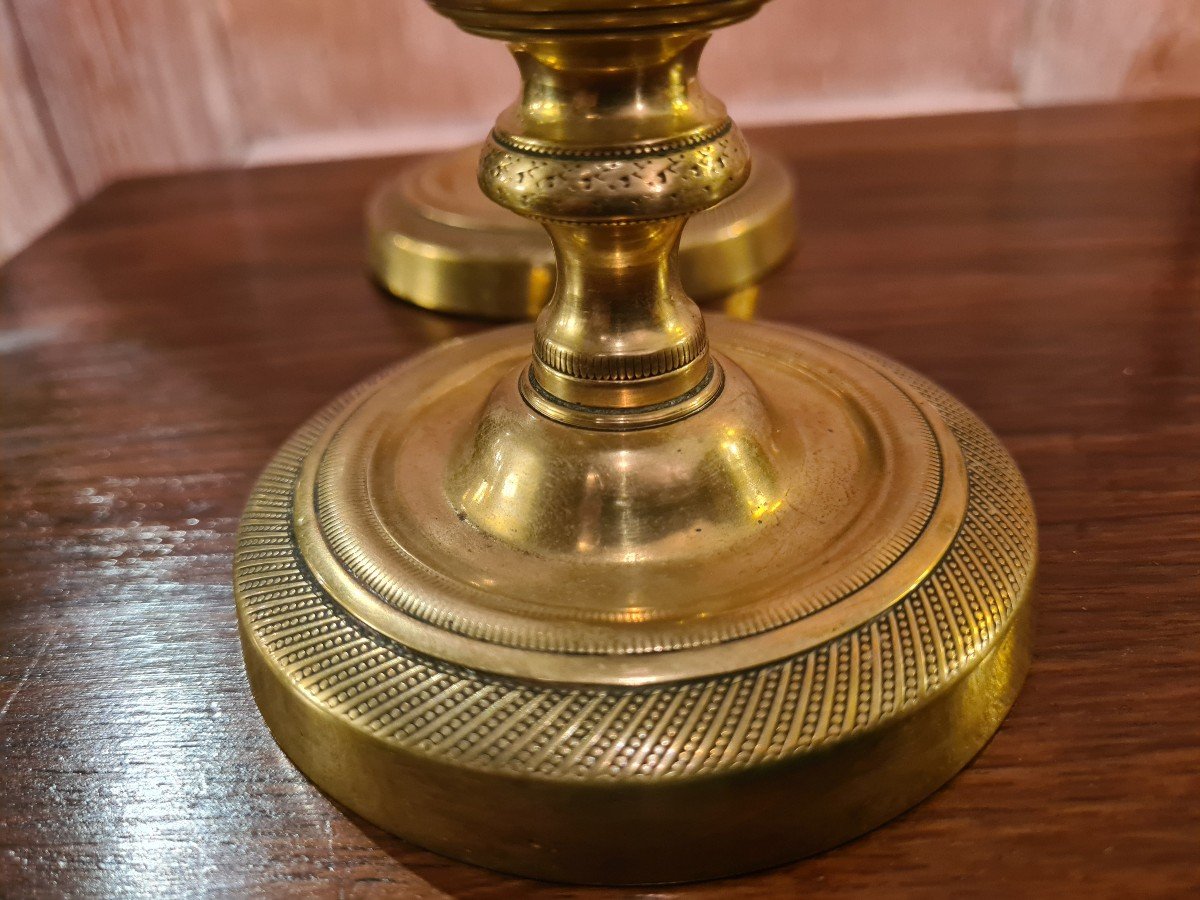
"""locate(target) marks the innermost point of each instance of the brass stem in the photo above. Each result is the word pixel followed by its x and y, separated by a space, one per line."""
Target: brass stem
pixel 612 145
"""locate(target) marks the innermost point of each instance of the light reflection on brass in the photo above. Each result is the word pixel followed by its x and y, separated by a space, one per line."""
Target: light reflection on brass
pixel 663 599
pixel 741 304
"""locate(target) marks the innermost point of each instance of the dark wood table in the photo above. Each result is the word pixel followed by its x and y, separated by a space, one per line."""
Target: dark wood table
pixel 160 344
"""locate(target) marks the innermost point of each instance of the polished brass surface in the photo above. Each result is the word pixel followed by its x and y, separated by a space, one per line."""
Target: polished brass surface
pixel 651 602
pixel 732 641
pixel 437 241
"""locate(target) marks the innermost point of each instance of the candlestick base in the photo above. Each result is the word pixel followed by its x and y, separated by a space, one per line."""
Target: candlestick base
pixel 435 240
pixel 640 656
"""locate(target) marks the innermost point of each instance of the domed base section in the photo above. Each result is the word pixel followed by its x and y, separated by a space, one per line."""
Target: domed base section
pixel 436 241
pixel 638 657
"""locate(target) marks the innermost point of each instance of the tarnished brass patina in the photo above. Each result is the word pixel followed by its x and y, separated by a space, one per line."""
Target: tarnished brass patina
pixel 658 600
pixel 435 240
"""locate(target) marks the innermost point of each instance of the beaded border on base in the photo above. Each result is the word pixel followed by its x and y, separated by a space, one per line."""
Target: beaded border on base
pixel 406 585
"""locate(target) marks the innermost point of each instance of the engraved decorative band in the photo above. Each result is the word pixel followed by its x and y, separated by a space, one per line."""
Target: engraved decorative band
pixel 613 189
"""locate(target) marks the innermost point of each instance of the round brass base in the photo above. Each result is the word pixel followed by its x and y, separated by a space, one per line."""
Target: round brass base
pixel 638 657
pixel 435 240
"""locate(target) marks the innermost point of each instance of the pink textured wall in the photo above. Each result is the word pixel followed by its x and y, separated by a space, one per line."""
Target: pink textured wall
pixel 94 90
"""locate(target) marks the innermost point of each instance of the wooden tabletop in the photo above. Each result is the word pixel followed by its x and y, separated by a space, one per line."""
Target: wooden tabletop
pixel 157 346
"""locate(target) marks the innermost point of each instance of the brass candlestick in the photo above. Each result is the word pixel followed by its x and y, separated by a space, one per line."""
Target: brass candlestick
pixel 662 601
pixel 437 241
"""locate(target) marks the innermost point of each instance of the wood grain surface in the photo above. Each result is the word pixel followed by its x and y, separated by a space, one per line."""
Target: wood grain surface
pixel 159 344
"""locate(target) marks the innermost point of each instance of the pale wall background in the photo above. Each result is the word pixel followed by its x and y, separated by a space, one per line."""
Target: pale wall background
pixel 96 90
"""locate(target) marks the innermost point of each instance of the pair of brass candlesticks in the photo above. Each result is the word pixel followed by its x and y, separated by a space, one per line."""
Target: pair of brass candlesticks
pixel 635 608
